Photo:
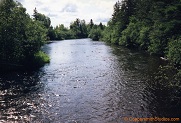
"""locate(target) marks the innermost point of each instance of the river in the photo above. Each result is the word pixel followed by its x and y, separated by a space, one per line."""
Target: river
pixel 85 82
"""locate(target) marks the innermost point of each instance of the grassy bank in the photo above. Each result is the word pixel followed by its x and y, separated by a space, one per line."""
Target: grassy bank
pixel 41 58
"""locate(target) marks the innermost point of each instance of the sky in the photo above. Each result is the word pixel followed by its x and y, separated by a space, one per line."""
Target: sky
pixel 66 11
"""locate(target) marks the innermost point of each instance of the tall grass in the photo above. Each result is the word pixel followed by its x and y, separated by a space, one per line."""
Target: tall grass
pixel 41 58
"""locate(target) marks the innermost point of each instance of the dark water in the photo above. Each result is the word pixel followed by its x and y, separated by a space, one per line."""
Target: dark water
pixel 86 82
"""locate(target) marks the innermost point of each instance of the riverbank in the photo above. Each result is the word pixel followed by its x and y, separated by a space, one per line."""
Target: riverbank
pixel 6 67
pixel 40 59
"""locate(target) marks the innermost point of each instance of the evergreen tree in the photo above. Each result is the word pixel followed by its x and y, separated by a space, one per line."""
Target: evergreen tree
pixel 91 24
pixel 42 18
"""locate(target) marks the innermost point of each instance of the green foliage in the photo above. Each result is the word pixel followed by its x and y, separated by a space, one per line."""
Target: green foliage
pixel 79 28
pixel 174 50
pixel 40 58
pixel 168 77
pixel 106 35
pixel 95 34
pixel 159 36
pixel 148 25
pixel 51 33
pixel 130 35
pixel 35 37
pixel 12 24
pixel 156 42
pixel 20 36
pixel 114 37
pixel 111 33
pixel 143 38
pixel 120 19
pixel 135 35
pixel 44 20
pixel 91 24
pixel 62 33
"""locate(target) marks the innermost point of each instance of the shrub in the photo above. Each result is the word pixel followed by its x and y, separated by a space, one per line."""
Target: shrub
pixel 130 36
pixel 41 58
pixel 143 39
pixel 174 50
pixel 95 34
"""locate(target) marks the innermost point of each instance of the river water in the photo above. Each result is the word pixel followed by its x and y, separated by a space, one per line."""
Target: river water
pixel 86 82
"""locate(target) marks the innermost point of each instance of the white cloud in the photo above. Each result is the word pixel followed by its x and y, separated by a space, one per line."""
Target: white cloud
pixel 70 8
pixel 66 11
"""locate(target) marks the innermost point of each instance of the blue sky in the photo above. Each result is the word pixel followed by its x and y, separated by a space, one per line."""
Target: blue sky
pixel 66 11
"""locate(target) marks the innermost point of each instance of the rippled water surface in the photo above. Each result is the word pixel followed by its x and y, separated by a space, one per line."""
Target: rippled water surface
pixel 85 82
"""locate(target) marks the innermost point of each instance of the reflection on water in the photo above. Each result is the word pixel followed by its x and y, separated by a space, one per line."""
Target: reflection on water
pixel 86 82
pixel 16 90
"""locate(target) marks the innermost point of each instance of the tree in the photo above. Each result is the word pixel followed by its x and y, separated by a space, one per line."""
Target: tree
pixel 96 32
pixel 84 30
pixel 13 20
pixel 174 51
pixel 101 26
pixel 152 25
pixel 51 33
pixel 91 24
pixel 42 18
pixel 62 32
pixel 20 36
pixel 79 28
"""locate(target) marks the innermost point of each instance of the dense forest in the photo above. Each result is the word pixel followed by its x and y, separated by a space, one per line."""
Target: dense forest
pixel 150 25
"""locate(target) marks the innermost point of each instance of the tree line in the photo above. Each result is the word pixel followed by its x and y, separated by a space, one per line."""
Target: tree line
pixel 153 26
pixel 150 25
pixel 78 29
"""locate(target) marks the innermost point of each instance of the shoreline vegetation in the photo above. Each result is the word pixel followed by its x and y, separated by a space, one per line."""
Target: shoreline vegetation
pixel 21 37
pixel 149 25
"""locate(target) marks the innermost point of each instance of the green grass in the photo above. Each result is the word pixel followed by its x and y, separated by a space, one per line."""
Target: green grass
pixel 41 58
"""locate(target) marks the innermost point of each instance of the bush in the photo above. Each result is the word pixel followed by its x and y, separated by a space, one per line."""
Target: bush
pixel 130 36
pixel 41 58
pixel 144 37
pixel 106 35
pixel 20 36
pixel 168 78
pixel 95 34
pixel 174 50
